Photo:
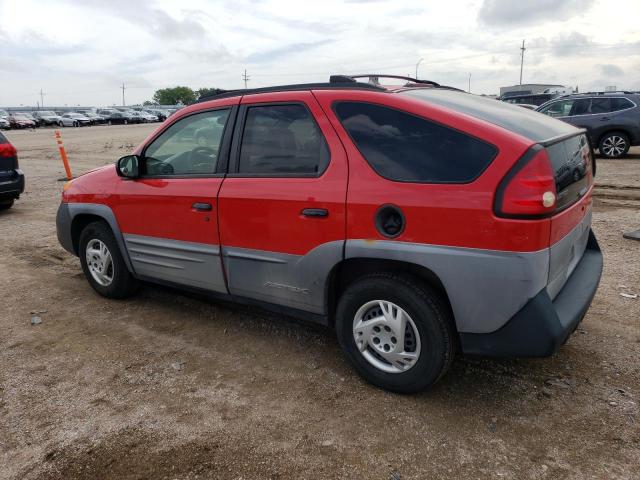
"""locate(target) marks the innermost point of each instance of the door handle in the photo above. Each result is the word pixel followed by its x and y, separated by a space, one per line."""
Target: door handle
pixel 202 206
pixel 605 119
pixel 315 212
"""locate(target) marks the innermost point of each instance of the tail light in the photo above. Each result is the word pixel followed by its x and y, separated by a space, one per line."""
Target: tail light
pixel 7 150
pixel 8 157
pixel 529 189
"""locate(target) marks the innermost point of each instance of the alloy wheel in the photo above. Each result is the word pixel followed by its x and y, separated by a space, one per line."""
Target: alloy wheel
pixel 614 146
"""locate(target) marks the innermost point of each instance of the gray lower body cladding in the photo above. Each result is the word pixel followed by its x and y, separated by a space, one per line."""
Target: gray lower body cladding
pixel 486 289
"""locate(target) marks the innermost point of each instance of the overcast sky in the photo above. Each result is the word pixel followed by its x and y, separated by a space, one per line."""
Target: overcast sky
pixel 81 51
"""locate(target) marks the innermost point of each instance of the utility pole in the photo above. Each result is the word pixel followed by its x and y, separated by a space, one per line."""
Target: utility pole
pixel 417 64
pixel 245 78
pixel 123 89
pixel 41 99
pixel 521 60
pixel 469 90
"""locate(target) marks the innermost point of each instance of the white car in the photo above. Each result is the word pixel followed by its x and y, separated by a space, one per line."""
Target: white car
pixel 73 120
pixel 146 116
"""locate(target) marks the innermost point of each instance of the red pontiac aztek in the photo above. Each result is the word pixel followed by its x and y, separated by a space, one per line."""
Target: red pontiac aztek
pixel 415 220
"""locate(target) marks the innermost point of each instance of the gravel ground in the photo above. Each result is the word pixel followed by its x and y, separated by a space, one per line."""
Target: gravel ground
pixel 169 386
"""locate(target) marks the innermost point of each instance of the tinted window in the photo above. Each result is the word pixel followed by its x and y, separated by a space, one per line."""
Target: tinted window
pixel 189 146
pixel 620 104
pixel 403 147
pixel 581 107
pixel 600 105
pixel 282 139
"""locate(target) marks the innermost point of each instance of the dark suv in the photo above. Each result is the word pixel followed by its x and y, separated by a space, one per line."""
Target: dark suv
pixel 611 119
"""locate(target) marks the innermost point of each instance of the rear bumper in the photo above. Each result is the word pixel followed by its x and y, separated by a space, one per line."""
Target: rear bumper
pixel 11 184
pixel 543 325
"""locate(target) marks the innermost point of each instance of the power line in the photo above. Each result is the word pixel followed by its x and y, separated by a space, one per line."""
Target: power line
pixel 245 78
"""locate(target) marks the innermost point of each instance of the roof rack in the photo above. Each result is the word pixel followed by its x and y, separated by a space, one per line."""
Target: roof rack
pixel 218 93
pixel 605 93
pixel 373 79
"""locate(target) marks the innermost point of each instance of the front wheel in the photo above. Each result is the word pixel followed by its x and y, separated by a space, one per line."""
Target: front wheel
pixel 614 145
pixel 102 262
pixel 396 332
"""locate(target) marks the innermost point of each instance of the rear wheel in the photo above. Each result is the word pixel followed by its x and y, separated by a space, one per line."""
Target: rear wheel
pixel 614 145
pixel 102 262
pixel 395 332
pixel 6 204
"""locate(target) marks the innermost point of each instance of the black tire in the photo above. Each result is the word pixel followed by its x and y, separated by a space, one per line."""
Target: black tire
pixel 123 284
pixel 614 145
pixel 430 316
pixel 6 204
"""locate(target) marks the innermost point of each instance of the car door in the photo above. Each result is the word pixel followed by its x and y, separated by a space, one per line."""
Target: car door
pixel 282 205
pixel 168 217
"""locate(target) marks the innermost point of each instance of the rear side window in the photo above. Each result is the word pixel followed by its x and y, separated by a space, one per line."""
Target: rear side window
pixel 282 140
pixel 406 148
pixel 620 104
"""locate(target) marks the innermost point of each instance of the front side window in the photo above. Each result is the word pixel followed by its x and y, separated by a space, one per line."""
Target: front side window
pixel 403 147
pixel 282 140
pixel 558 109
pixel 189 146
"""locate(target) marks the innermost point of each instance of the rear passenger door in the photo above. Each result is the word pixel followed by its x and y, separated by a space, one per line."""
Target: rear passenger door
pixel 282 204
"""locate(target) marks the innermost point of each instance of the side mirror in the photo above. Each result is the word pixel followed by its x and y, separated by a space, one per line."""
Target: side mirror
pixel 129 166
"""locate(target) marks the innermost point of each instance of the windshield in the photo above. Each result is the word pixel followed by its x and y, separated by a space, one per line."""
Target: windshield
pixel 46 113
pixel 21 115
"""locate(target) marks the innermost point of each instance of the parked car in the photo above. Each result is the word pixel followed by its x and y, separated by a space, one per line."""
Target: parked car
pixel 4 123
pixel 46 117
pixel 161 114
pixel 414 221
pixel 11 177
pixel 611 119
pixel 142 117
pixel 117 118
pixel 94 118
pixel 21 120
pixel 529 99
pixel 73 119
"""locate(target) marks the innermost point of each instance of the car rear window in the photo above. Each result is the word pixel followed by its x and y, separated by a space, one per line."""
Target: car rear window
pixel 403 147
pixel 572 163
pixel 511 117
pixel 620 104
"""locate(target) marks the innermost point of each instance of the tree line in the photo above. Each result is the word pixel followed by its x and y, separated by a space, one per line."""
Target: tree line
pixel 176 95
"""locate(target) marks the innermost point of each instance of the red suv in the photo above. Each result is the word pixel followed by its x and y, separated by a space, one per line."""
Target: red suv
pixel 415 220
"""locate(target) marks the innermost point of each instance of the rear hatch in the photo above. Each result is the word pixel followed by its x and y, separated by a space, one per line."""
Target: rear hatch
pixel 573 165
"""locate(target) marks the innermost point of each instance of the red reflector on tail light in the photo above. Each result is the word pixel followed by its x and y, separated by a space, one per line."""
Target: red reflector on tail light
pixel 529 189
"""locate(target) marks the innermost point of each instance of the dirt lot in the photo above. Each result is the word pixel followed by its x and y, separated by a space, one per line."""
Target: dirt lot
pixel 167 386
